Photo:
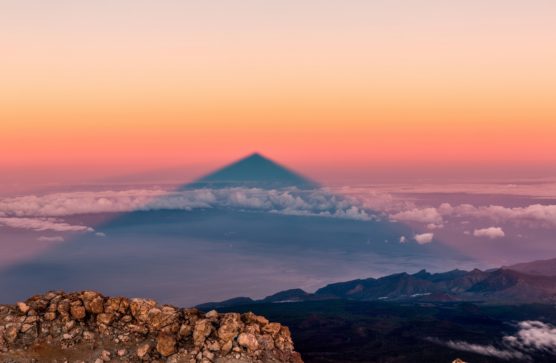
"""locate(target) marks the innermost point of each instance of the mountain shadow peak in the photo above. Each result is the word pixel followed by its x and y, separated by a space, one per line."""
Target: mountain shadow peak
pixel 253 171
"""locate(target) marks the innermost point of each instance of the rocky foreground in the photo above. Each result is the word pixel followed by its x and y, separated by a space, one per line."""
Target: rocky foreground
pixel 89 327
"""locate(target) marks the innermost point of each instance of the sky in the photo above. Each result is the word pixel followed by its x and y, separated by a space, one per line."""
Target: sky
pixel 101 88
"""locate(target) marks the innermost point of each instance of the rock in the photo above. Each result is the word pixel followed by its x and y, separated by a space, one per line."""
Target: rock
pixel 140 308
pixel 211 314
pixel 93 301
pixel 230 326
pixel 116 305
pixel 185 330
pixel 87 335
pixel 143 349
pixel 252 318
pixel 104 318
pixel 10 333
pixel 23 307
pixel 166 344
pixel 266 342
pixel 202 330
pixel 63 308
pixel 95 325
pixel 272 328
pixel 105 356
pixel 78 312
pixel 27 327
pixel 163 319
pixel 50 316
pixel 249 341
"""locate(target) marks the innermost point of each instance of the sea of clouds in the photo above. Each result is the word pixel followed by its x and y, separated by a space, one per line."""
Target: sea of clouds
pixel 46 212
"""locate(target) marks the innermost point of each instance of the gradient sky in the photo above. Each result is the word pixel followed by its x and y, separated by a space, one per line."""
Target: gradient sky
pixel 152 84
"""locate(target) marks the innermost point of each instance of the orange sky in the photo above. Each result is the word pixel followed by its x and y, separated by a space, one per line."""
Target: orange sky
pixel 167 83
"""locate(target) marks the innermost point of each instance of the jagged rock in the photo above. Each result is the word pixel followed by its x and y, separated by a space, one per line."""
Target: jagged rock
pixel 230 326
pixel 104 318
pixel 78 312
pixel 203 328
pixel 93 301
pixel 105 356
pixel 166 344
pixel 10 333
pixel 248 341
pixel 23 308
pixel 136 330
pixel 143 349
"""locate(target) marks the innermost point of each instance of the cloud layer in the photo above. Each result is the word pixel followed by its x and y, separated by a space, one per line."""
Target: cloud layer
pixel 351 203
pixel 42 224
pixel 490 232
pixel 37 212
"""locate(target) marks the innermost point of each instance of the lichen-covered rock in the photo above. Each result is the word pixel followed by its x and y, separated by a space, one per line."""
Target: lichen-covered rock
pixel 59 325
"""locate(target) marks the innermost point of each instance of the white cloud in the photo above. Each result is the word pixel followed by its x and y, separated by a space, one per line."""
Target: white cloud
pixel 350 203
pixel 424 238
pixel 534 334
pixel 295 202
pixel 490 232
pixel 42 224
pixel 100 234
pixel 488 350
pixel 535 215
pixel 403 239
pixel 425 215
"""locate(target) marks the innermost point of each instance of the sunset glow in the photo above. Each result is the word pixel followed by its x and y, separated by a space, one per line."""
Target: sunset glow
pixel 173 83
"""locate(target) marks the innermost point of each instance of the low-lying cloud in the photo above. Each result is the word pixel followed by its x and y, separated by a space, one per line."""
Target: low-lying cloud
pixel 487 350
pixel 424 238
pixel 425 215
pixel 490 232
pixel 295 202
pixel 42 224
pixel 349 203
pixel 532 336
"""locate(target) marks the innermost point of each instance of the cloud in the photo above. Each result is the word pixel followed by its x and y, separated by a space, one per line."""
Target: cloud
pixel 100 234
pixel 424 238
pixel 425 215
pixel 42 224
pixel 532 336
pixel 535 335
pixel 534 216
pixel 403 239
pixel 488 350
pixel 294 202
pixel 50 239
pixel 490 232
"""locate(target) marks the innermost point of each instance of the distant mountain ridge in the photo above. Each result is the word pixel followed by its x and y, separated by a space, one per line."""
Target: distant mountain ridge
pixel 254 170
pixel 539 267
pixel 499 286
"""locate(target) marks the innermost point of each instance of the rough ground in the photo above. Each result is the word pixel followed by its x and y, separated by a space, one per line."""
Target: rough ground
pixel 89 327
